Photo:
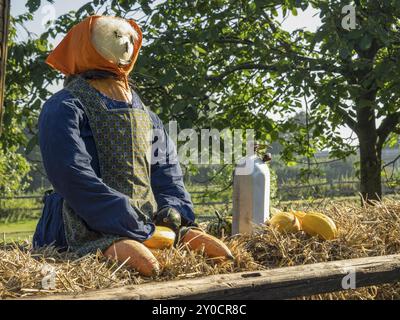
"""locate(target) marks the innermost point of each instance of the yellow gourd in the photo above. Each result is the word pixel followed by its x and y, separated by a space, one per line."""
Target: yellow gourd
pixel 315 223
pixel 285 222
pixel 162 238
pixel 299 214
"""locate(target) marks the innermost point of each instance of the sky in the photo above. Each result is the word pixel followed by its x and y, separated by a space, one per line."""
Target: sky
pixel 46 11
pixel 308 20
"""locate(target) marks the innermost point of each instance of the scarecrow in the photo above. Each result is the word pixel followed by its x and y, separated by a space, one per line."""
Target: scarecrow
pixel 98 143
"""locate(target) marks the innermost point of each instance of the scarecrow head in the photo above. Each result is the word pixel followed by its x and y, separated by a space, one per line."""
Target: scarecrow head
pixel 114 38
pixel 98 43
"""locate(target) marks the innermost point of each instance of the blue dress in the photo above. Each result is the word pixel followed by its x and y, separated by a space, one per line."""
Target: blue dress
pixel 72 166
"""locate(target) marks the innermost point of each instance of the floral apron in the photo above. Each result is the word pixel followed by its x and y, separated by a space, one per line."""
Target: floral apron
pixel 123 143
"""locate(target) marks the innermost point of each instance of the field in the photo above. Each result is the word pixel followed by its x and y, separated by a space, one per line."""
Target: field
pixel 17 231
pixel 363 231
pixel 23 214
pixel 18 217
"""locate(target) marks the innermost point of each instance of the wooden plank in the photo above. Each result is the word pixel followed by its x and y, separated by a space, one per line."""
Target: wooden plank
pixel 281 283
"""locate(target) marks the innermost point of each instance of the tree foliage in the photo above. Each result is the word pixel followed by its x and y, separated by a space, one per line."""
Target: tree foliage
pixel 229 63
pixel 13 171
pixel 27 82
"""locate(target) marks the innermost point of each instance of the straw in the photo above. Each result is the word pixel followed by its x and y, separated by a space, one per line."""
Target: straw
pixel 363 231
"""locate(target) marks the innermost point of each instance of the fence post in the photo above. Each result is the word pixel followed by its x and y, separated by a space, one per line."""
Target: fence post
pixel 4 26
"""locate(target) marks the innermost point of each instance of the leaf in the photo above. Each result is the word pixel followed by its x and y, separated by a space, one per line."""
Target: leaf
pixel 354 34
pixel 180 106
pixel 42 46
pixel 200 50
pixel 87 8
pixel 259 3
pixel 36 105
pixel 145 7
pixel 291 163
pixel 366 42
pixel 33 5
pixel 167 78
pixel 344 52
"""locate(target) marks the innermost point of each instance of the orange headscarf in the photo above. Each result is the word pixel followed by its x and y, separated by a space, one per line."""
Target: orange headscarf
pixel 76 54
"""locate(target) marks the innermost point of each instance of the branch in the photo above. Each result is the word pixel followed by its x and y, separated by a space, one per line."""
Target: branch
pixel 213 177
pixel 316 163
pixel 387 126
pixel 347 119
pixel 244 66
pixel 391 162
pixel 234 41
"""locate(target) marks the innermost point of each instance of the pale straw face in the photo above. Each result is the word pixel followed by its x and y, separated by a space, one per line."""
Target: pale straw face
pixel 114 39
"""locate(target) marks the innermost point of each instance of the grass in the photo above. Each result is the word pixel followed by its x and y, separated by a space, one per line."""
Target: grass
pixel 18 230
pixel 14 210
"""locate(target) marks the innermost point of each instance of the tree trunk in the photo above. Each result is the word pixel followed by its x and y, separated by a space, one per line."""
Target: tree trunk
pixel 370 156
pixel 370 171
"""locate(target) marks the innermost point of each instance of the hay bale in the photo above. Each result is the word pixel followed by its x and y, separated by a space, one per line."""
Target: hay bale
pixel 363 231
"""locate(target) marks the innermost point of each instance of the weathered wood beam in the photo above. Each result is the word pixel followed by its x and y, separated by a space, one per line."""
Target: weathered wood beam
pixel 4 25
pixel 281 283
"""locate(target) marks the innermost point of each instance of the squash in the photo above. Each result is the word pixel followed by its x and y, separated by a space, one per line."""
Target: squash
pixel 315 223
pixel 162 238
pixel 140 259
pixel 285 222
pixel 299 214
pixel 214 248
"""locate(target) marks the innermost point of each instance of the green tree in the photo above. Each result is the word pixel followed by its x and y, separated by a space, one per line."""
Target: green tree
pixel 353 77
pixel 13 171
pixel 245 67
pixel 229 63
pixel 27 82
